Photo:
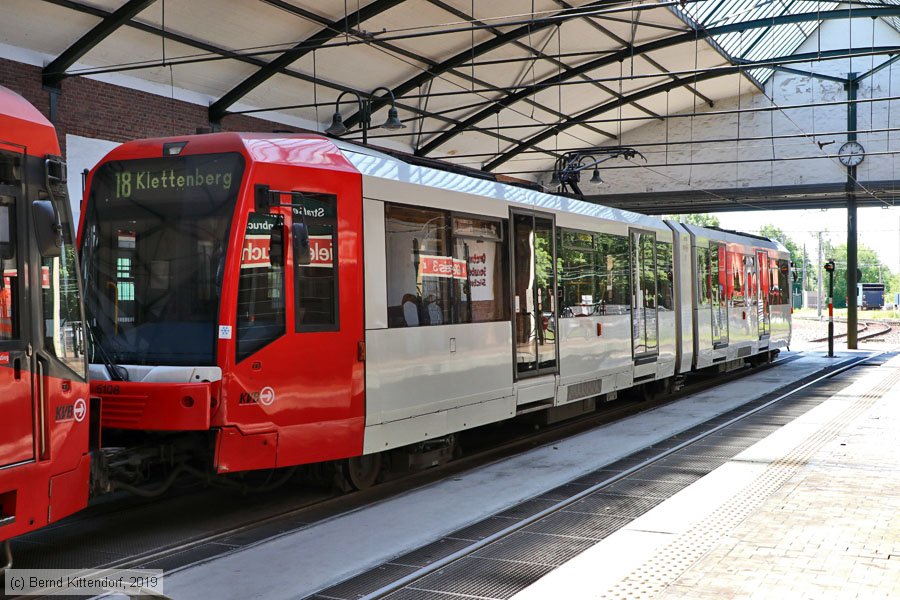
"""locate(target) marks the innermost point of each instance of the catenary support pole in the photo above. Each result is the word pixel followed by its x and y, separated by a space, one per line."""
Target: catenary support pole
pixel 852 263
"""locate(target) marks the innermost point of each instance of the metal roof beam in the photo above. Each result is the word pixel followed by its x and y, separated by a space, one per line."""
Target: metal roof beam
pixel 334 29
pixel 810 74
pixel 536 53
pixel 597 110
pixel 468 54
pixel 392 48
pixel 688 36
pixel 874 70
pixel 207 47
pixel 54 72
pixel 784 197
pixel 630 44
pixel 718 72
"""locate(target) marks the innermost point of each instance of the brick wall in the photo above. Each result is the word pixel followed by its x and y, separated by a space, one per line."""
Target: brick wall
pixel 95 109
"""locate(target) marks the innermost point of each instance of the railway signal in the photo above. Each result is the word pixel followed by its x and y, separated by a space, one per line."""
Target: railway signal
pixel 829 268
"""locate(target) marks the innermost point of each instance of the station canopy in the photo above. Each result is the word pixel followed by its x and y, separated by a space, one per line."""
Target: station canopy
pixel 506 86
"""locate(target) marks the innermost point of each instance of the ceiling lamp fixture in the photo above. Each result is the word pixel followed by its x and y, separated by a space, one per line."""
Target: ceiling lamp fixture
pixel 393 122
pixel 568 168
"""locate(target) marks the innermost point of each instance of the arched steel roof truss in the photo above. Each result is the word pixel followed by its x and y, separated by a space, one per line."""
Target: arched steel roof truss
pixel 624 53
pixel 210 48
pixel 337 28
pixel 531 142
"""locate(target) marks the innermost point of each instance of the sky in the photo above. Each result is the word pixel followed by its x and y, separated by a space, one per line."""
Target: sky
pixel 878 228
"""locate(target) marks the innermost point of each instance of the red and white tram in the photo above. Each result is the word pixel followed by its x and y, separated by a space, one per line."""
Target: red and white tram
pixel 292 299
pixel 44 403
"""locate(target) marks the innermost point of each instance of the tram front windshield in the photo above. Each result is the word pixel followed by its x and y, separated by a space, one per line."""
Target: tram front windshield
pixel 153 252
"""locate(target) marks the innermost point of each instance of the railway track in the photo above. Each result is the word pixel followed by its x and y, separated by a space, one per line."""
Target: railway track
pixel 878 329
pixel 609 490
pixel 110 527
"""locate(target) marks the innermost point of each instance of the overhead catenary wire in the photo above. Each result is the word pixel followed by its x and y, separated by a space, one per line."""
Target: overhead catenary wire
pixel 758 109
pixel 725 69
pixel 367 38
pixel 723 162
pixel 631 6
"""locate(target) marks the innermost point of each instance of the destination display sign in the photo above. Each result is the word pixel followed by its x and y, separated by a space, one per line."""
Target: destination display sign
pixel 212 176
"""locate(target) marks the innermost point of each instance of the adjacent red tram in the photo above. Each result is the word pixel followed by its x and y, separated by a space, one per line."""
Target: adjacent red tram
pixel 44 403
pixel 260 301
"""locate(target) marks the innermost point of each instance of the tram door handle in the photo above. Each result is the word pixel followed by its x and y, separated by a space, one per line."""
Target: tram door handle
pixel 17 369
pixel 43 432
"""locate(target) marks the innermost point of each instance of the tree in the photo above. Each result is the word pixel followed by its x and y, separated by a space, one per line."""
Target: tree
pixel 773 233
pixel 698 219
pixel 873 270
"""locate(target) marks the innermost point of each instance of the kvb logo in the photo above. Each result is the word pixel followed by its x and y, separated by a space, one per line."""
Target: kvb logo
pixel 68 412
pixel 267 396
pixel 79 410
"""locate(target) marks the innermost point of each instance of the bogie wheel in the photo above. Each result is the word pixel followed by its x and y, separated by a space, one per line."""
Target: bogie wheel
pixel 647 391
pixel 361 472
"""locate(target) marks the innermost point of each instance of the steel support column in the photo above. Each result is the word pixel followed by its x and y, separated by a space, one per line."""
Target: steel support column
pixel 852 263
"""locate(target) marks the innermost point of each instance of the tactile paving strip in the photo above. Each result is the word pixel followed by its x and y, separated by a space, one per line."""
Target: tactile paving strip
pixel 668 563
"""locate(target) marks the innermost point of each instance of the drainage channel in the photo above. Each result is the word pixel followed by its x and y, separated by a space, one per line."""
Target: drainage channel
pixel 499 556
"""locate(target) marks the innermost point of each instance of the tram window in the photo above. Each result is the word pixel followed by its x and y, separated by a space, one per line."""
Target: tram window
pixel 61 301
pixel 419 266
pixel 704 277
pixel 479 270
pixel 614 273
pixel 260 306
pixel 665 275
pixel 784 287
pixel 578 274
pixel 9 278
pixel 646 268
pixel 750 287
pixel 736 276
pixel 316 284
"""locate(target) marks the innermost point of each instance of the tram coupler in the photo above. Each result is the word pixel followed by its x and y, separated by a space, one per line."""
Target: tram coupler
pixel 100 481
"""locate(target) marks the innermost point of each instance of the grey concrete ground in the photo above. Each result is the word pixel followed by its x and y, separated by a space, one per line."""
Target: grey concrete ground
pixel 302 562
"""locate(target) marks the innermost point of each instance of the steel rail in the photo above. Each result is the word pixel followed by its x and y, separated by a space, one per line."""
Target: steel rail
pixel 476 546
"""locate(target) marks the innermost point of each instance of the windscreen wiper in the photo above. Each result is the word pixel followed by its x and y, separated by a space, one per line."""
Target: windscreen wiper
pixel 116 372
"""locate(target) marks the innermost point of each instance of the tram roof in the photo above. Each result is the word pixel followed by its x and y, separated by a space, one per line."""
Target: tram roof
pixel 20 121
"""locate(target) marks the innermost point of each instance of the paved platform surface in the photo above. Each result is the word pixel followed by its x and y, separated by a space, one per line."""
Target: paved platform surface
pixel 302 562
pixel 812 511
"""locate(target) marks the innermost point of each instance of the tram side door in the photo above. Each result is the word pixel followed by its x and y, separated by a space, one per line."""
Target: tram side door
pixel 762 301
pixel 534 293
pixel 17 431
pixel 644 322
